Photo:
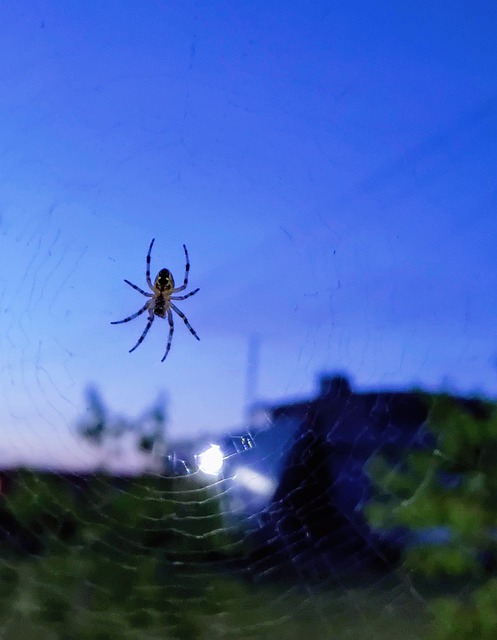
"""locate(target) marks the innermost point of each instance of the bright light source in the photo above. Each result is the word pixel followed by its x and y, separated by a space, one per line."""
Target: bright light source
pixel 211 461
pixel 256 482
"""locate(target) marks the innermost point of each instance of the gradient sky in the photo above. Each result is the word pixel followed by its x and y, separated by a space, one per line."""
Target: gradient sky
pixel 332 168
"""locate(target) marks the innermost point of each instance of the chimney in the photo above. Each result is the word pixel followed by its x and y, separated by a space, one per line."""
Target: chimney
pixel 334 386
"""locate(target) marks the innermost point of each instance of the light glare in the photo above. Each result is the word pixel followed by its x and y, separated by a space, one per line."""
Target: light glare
pixel 256 482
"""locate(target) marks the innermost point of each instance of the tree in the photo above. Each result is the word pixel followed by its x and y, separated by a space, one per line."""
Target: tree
pixel 444 497
pixel 109 431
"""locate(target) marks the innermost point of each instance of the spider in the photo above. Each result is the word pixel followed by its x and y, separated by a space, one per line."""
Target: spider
pixel 160 303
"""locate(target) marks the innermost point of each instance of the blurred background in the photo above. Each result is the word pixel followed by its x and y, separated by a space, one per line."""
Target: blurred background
pixel 331 168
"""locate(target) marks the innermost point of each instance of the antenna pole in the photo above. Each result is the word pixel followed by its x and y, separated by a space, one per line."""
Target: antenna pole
pixel 252 378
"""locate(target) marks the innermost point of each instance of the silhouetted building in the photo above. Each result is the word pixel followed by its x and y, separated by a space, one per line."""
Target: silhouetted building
pixel 310 479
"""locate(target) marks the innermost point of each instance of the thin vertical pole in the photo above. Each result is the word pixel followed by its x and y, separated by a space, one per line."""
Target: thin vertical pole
pixel 252 378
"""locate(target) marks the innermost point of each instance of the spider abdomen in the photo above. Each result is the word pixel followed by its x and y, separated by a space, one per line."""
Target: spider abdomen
pixel 160 306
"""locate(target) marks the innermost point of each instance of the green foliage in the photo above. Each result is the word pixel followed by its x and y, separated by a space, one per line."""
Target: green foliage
pixel 474 618
pixel 148 559
pixel 134 548
pixel 450 488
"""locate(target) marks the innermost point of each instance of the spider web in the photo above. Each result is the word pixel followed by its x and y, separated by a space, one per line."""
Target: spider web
pixel 100 537
pixel 111 523
pixel 274 545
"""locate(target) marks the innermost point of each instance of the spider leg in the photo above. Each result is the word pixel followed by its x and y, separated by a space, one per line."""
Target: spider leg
pixel 145 331
pixel 187 270
pixel 149 295
pixel 185 320
pixel 149 282
pixel 171 331
pixel 184 297
pixel 135 315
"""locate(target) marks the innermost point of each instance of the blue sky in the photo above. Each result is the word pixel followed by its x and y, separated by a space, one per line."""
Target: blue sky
pixel 330 166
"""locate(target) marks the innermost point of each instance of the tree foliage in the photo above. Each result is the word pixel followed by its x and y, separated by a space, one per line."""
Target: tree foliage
pixel 444 498
pixel 109 431
pixel 88 550
pixel 104 556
